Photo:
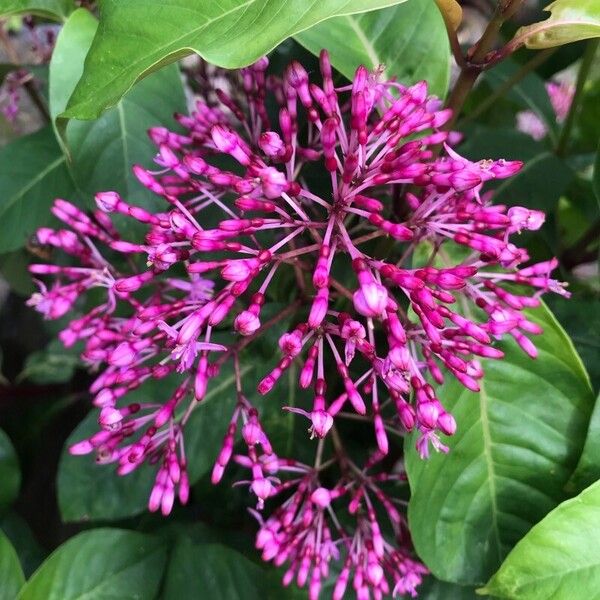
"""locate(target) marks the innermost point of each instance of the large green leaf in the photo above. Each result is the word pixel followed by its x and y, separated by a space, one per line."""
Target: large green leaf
pixel 100 564
pixel 409 40
pixel 588 467
pixel 88 491
pixel 11 574
pixel 103 151
pixel 28 549
pixel 517 443
pixel 569 21
pixel 136 38
pixel 32 175
pixel 10 474
pixel 559 558
pixel 211 571
pixel 51 9
pixel 208 423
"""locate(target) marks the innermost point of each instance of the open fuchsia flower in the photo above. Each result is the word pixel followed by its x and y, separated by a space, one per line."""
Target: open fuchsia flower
pixel 370 333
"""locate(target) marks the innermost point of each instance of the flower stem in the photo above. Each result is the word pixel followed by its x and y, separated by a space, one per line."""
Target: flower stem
pixel 476 61
pixel 582 75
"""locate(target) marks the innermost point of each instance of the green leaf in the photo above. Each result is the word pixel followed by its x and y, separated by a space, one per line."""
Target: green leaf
pixel 51 9
pixel 409 40
pixel 10 473
pixel 32 174
pixel 569 21
pixel 103 151
pixel 559 558
pixel 28 549
pixel 211 571
pixel 596 178
pixel 529 93
pixel 136 38
pixel 208 423
pixel 517 443
pixel 435 589
pixel 51 365
pixel 100 564
pixel 539 184
pixel 588 467
pixel 11 574
pixel 88 491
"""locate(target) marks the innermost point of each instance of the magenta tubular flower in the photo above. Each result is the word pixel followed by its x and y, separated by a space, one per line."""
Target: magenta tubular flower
pixel 382 333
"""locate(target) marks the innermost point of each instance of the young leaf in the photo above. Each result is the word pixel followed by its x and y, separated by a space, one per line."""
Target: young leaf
pixel 100 563
pixel 558 558
pixel 136 38
pixel 10 473
pixel 50 9
pixel 451 12
pixel 32 174
pixel 409 41
pixel 11 574
pixel 516 445
pixel 569 21
pixel 103 151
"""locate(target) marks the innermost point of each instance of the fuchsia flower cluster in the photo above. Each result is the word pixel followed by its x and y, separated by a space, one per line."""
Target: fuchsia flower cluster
pixel 372 335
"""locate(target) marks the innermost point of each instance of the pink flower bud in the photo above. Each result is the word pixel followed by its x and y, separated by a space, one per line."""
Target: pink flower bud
pixel 246 323
pixel 322 422
pixel 271 144
pixel 108 201
pixel 321 497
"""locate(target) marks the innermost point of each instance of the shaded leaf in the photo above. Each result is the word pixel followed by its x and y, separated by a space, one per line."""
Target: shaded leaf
pixel 10 473
pixel 208 423
pixel 529 93
pixel 53 364
pixel 51 9
pixel 596 180
pixel 136 38
pixel 558 558
pixel 103 151
pixel 211 571
pixel 29 551
pixel 88 491
pixel 435 589
pixel 539 184
pixel 11 574
pixel 409 40
pixel 569 21
pixel 32 174
pixel 100 564
pixel 517 443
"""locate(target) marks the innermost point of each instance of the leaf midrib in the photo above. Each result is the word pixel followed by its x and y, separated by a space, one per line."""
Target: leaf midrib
pixel 369 48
